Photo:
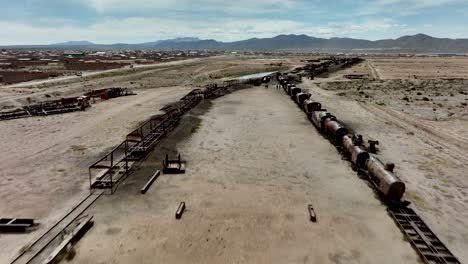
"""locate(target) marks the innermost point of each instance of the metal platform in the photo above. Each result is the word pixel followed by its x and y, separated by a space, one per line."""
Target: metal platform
pixel 110 169
pixel 148 140
pixel 423 240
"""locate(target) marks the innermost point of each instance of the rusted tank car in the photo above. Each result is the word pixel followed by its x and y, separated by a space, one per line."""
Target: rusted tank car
pixel 384 179
pixel 319 117
pixel 357 155
pixel 295 91
pixel 335 130
pixel 311 105
pixel 289 87
pixel 301 97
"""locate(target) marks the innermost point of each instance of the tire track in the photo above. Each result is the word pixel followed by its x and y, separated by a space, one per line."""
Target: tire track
pixel 445 142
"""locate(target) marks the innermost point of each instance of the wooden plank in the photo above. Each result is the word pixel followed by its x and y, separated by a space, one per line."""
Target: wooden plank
pixel 150 182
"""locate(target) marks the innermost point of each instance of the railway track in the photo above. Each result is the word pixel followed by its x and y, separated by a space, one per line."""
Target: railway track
pixel 40 249
pixel 423 240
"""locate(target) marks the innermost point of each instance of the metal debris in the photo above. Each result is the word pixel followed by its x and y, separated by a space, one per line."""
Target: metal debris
pixel 180 210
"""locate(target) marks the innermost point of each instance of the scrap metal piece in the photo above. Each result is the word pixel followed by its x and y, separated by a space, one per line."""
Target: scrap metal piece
pixel 180 210
pixel 150 182
pixel 372 144
pixel 313 216
pixel 173 166
pixel 15 224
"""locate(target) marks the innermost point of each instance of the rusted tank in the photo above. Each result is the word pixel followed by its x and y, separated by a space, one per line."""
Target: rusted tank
pixel 289 86
pixel 389 184
pixel 335 130
pixel 294 91
pixel 301 97
pixel 319 117
pixel 357 155
pixel 311 105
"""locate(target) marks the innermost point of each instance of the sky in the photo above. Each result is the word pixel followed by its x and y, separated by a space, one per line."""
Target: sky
pixel 137 21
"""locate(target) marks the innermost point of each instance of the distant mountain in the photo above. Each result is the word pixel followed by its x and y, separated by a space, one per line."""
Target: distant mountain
pixel 414 43
pixel 74 43
pixel 169 41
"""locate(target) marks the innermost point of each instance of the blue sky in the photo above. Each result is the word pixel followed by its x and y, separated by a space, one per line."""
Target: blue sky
pixel 135 21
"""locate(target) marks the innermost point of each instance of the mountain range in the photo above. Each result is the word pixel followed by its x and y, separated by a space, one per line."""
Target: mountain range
pixel 413 43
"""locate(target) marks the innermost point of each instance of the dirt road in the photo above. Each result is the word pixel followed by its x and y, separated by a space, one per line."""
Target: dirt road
pixel 254 164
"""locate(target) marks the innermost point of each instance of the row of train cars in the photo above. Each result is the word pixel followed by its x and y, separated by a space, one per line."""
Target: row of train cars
pixel 381 175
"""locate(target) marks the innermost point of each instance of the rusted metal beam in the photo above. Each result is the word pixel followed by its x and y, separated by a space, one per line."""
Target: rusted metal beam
pixel 150 182
pixel 180 210
pixel 313 216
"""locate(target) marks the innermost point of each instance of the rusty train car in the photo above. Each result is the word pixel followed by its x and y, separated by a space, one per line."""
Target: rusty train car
pixel 380 174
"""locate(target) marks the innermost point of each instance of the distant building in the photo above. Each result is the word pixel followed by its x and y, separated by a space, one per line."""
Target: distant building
pixel 74 54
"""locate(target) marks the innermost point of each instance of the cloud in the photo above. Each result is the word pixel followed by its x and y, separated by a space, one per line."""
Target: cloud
pixel 137 29
pixel 108 21
pixel 402 7
pixel 160 6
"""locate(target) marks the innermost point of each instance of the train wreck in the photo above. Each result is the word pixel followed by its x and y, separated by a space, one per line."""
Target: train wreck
pixel 390 187
pixel 65 105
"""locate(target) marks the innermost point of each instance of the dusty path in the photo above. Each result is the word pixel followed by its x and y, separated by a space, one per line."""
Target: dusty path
pixel 430 158
pixel 254 163
pixel 96 74
pixel 373 70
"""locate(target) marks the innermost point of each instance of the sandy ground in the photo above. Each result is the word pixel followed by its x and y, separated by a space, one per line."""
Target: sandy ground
pixel 431 157
pixel 44 168
pixel 45 159
pixel 72 78
pixel 197 72
pixel 254 163
pixel 421 68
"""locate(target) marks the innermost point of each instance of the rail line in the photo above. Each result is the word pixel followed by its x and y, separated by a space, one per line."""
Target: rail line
pixel 424 241
pixel 388 187
pixel 38 250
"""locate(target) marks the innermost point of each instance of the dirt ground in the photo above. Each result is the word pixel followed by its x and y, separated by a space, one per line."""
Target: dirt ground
pixel 45 159
pixel 426 138
pixel 254 164
pixel 420 67
pixel 196 72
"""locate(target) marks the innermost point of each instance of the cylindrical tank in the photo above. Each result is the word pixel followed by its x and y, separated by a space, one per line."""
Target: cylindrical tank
pixel 357 155
pixel 389 184
pixel 311 105
pixel 301 97
pixel 289 87
pixel 294 91
pixel 315 118
pixel 319 117
pixel 335 130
